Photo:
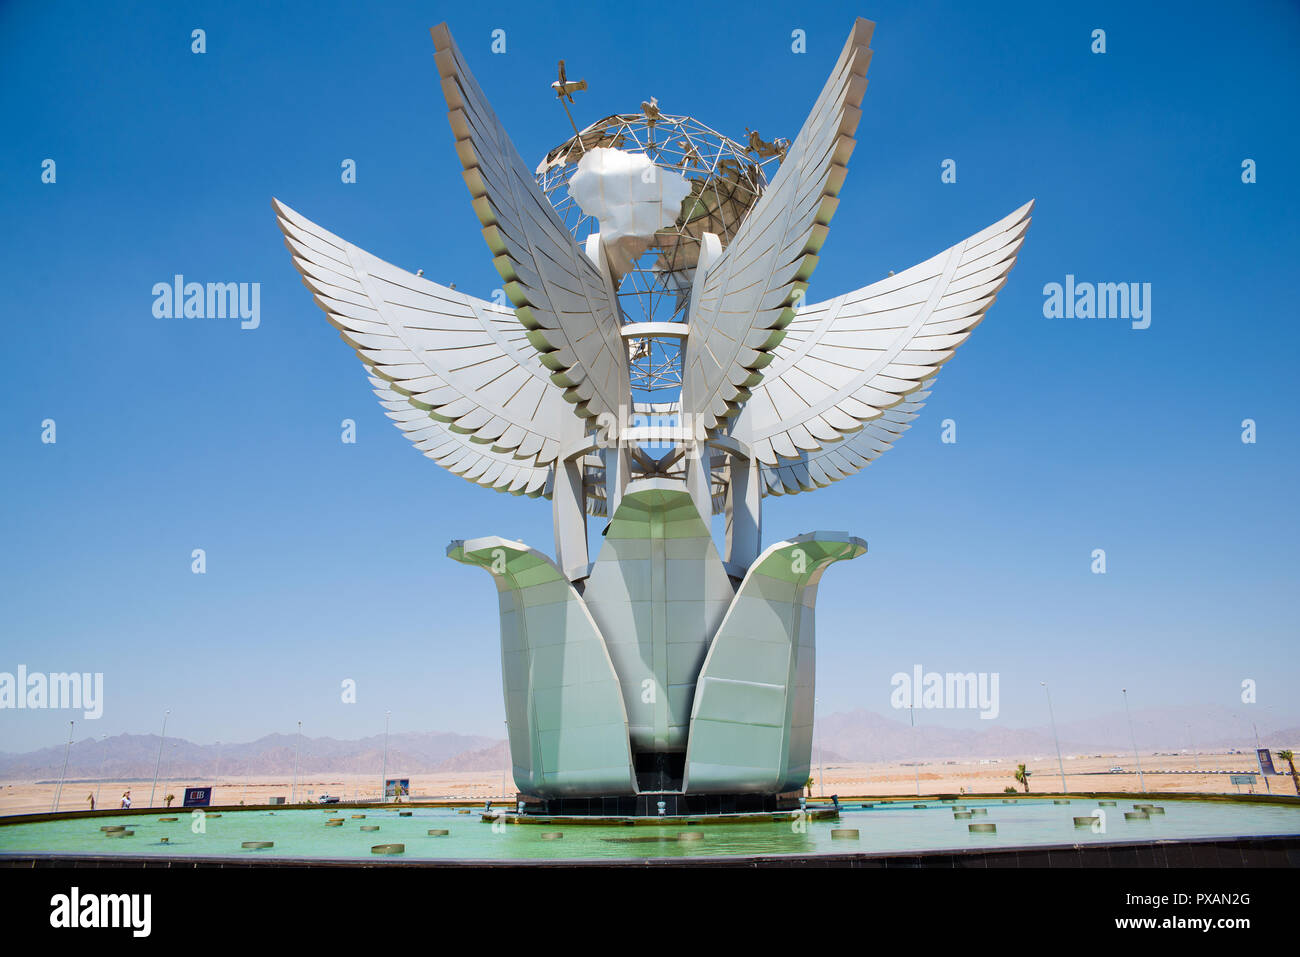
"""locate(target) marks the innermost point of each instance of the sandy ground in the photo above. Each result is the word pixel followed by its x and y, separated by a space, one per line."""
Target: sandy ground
pixel 1171 773
pixel 1206 774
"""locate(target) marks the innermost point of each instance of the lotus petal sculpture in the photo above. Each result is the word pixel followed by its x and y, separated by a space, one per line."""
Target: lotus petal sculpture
pixel 664 668
pixel 661 655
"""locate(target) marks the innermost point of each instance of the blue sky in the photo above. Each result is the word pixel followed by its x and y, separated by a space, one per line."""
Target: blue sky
pixel 326 561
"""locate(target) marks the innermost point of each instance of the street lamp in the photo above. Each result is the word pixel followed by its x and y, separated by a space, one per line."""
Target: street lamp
pixel 1259 758
pixel 158 764
pixel 1059 763
pixel 821 766
pixel 1141 783
pixel 66 751
pixel 916 767
pixel 216 776
pixel 505 764
pixel 167 778
pixel 103 743
pixel 383 775
pixel 293 794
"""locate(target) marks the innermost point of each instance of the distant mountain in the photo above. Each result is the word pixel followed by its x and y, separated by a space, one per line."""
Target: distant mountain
pixel 866 736
pixel 130 756
pixel 857 735
pixel 494 758
pixel 1186 727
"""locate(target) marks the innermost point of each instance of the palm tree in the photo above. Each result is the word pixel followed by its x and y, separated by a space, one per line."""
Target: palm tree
pixel 1022 776
pixel 809 786
pixel 1289 758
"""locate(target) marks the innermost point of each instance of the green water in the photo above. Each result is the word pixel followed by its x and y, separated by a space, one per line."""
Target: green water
pixel 303 834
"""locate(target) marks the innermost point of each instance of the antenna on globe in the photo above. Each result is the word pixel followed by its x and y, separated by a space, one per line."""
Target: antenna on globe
pixel 763 149
pixel 650 109
pixel 564 89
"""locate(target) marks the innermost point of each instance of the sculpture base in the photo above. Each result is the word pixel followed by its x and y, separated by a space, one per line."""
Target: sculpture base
pixel 646 804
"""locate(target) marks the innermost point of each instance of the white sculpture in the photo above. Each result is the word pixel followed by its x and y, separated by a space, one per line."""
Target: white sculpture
pixel 694 666
pixel 630 196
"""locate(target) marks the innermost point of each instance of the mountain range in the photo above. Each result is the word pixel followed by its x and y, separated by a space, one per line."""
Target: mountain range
pixel 133 756
pixel 857 735
pixel 861 735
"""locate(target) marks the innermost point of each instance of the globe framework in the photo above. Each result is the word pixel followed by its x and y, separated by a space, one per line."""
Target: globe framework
pixel 727 178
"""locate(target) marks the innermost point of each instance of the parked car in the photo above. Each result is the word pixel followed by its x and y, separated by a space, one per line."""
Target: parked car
pixel 327 799
pixel 1117 770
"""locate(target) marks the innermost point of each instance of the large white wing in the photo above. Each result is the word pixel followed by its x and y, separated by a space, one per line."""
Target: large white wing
pixel 568 306
pixel 455 372
pixel 813 470
pixel 746 297
pixel 458 453
pixel 853 371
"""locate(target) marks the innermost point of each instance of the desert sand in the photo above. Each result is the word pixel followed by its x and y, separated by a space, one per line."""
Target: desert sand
pixel 1168 773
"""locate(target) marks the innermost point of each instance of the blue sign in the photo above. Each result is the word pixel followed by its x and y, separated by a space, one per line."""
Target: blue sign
pixel 197 797
pixel 397 788
pixel 1265 761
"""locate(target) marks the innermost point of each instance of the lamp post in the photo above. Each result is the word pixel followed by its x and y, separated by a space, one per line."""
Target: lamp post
pixel 103 763
pixel 216 776
pixel 293 793
pixel 1196 757
pixel 1218 766
pixel 506 763
pixel 158 764
pixel 383 775
pixel 821 766
pixel 1050 714
pixel 1258 760
pixel 916 767
pixel 58 793
pixel 1141 783
pixel 167 778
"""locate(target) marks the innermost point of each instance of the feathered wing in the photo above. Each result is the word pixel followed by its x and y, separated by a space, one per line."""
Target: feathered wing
pixel 455 373
pixel 746 297
pixel 460 455
pixel 812 470
pixel 568 306
pixel 852 372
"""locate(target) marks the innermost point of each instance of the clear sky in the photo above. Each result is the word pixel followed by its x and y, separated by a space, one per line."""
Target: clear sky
pixel 325 561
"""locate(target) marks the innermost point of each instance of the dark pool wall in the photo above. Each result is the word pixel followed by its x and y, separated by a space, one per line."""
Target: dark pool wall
pixel 1247 852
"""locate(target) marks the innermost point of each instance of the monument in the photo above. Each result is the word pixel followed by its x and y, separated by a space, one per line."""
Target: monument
pixel 651 361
